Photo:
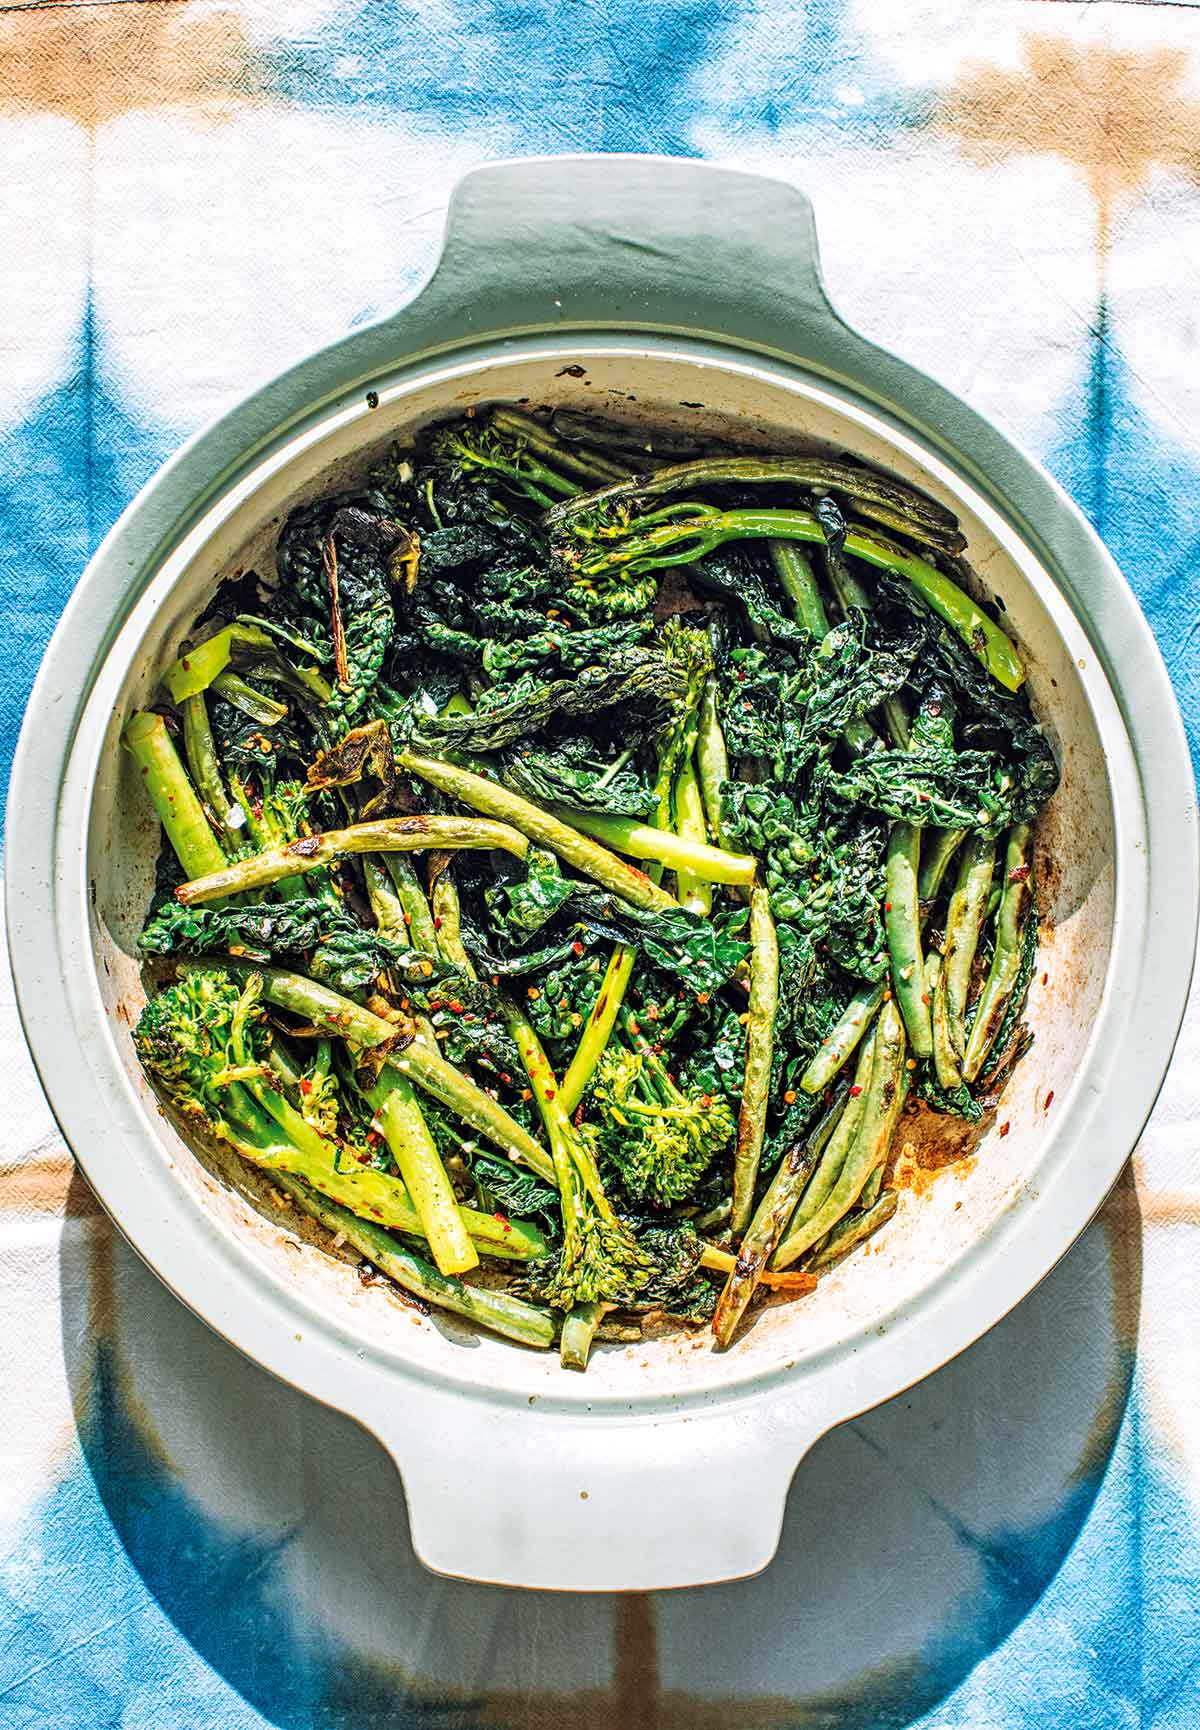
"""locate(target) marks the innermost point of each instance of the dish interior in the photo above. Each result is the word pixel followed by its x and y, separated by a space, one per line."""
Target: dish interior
pixel 944 1216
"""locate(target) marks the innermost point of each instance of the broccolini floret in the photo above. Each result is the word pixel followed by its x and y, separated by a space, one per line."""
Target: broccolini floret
pixel 660 1140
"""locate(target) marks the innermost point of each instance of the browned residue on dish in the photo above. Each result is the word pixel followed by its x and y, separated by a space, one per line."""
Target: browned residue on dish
pixel 928 1143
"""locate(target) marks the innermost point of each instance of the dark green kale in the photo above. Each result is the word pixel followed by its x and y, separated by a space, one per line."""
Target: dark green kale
pixel 336 947
pixel 638 681
pixel 574 769
pixel 340 562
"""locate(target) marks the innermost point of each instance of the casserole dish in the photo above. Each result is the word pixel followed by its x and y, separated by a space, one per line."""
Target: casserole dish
pixel 665 293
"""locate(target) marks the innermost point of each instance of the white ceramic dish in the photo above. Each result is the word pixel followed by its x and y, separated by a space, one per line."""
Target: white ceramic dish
pixel 667 1464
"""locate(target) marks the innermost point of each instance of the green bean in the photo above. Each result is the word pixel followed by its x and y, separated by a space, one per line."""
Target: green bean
pixel 770 1217
pixel 495 1310
pixel 171 793
pixel 947 1060
pixel 964 922
pixel 386 834
pixel 840 1043
pixel 712 759
pixel 447 923
pixel 760 1034
pixel 1006 956
pixel 938 847
pixel 542 826
pixel 422 933
pixel 856 1228
pixel 261 708
pixel 201 752
pixel 883 1097
pixel 821 1184
pixel 902 923
pixel 871 1189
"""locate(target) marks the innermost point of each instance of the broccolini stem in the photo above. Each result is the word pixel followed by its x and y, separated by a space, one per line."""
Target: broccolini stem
pixel 195 670
pixel 586 465
pixel 676 852
pixel 598 1028
pixel 201 753
pixel 386 834
pixel 568 1149
pixel 712 759
pixel 578 1331
pixel 347 1020
pixel 542 826
pixel 964 924
pixel 495 1310
pixel 309 1154
pixel 430 1070
pixel 413 1148
pixel 938 847
pixel 829 1166
pixel 1006 957
pixel 373 1194
pixel 694 892
pixel 882 1101
pixel 857 1227
pixel 760 1034
pixel 874 495
pixel 171 793
pixel 902 923
pixel 685 540
pixel 770 1217
pixel 798 582
pixel 841 1041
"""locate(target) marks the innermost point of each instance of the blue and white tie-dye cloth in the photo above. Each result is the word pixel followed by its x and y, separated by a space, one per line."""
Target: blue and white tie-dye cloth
pixel 193 195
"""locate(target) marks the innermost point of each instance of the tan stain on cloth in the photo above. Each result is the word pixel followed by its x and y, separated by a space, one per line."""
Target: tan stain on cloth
pixel 94 64
pixel 1115 115
pixel 47 1186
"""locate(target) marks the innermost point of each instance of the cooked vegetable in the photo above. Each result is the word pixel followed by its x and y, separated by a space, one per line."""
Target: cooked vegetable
pixel 202 1041
pixel 760 1035
pixel 771 1216
pixel 882 1098
pixel 572 846
pixel 964 922
pixel 1007 954
pixel 659 1139
pixel 857 1227
pixel 386 835
pixel 171 793
pixel 903 923
pixel 554 750
pixel 497 1311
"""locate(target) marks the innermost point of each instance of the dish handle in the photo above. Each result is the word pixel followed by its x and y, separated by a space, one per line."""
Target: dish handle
pixel 624 243
pixel 590 1502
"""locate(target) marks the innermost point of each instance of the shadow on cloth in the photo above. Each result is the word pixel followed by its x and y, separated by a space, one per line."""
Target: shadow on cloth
pixel 273 1536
